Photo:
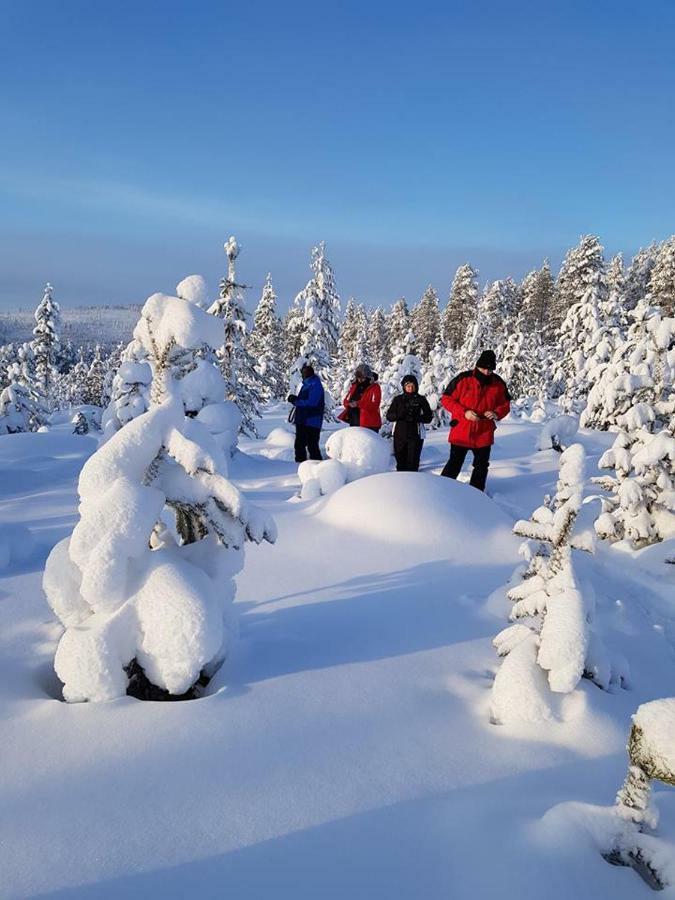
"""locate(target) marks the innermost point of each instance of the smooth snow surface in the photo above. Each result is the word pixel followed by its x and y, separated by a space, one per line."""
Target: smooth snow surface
pixel 345 749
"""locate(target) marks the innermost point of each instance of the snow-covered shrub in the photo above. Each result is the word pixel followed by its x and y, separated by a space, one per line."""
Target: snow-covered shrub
pixel 360 450
pixel 558 433
pixel 145 581
pixel 651 753
pixel 641 505
pixel 223 421
pixel 85 419
pixel 551 632
pixel 19 407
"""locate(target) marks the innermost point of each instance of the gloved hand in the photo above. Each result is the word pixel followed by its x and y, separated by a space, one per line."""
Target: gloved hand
pixel 291 398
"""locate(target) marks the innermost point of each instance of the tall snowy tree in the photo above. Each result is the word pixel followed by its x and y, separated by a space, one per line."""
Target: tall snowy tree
pixel 460 311
pixel 638 275
pixel 616 274
pixel 292 331
pixel 436 375
pixel 236 363
pixel 538 299
pixel 46 343
pixel 95 383
pixel 580 267
pixel 320 303
pixel 662 278
pixel 500 304
pixel 378 339
pixel 19 410
pixel 425 322
pixel 265 344
pixel 478 337
pixel 398 324
pixel 144 584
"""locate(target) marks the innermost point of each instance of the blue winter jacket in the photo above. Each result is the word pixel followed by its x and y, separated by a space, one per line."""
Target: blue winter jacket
pixel 310 403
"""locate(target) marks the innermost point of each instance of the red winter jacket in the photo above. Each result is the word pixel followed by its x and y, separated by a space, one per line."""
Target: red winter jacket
pixel 368 405
pixel 466 391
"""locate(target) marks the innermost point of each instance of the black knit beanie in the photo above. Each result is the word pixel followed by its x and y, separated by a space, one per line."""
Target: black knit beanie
pixel 487 360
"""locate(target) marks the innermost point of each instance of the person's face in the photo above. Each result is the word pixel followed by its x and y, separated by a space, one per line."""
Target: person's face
pixel 360 377
pixel 485 371
pixel 409 387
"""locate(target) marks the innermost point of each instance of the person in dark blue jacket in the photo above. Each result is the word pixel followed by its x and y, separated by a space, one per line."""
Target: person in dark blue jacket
pixel 309 406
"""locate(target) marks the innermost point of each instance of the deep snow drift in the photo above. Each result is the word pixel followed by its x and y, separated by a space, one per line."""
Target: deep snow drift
pixel 345 749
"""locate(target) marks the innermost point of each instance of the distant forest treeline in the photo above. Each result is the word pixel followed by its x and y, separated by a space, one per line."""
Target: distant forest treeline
pixel 83 325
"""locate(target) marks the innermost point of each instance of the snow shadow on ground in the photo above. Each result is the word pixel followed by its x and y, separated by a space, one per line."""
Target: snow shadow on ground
pixel 428 847
pixel 372 617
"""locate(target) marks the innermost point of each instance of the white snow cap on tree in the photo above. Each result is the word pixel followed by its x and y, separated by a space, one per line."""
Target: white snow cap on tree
pixel 194 289
pixel 147 574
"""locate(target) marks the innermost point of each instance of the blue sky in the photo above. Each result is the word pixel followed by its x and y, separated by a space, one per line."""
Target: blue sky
pixel 136 136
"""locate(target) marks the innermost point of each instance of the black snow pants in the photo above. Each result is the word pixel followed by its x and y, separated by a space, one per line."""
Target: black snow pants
pixel 307 441
pixel 481 463
pixel 407 453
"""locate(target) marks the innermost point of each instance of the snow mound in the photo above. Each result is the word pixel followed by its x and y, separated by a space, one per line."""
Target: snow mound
pixel 223 421
pixel 278 445
pixel 418 509
pixel 16 545
pixel 320 477
pixel 361 452
pixel 656 721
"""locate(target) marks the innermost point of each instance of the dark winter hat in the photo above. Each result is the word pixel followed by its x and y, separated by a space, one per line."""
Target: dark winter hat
pixel 409 379
pixel 487 360
pixel 365 370
pixel 307 371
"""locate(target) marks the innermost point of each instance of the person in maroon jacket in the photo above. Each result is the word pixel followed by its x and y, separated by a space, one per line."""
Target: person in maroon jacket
pixel 476 400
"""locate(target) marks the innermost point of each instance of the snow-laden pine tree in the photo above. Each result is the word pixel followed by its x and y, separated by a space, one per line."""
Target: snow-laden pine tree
pixel 144 585
pixel 616 274
pixel 320 304
pixel 436 375
pixel 265 344
pixel 353 348
pixel 662 278
pixel 538 300
pixel 587 341
pixel 19 410
pixel 478 338
pixel 460 311
pixel 425 321
pixel 130 390
pixel 236 363
pixel 398 325
pixel 522 366
pixel 639 272
pixel 551 639
pixel 500 305
pixel 404 361
pixel 292 331
pixel 46 344
pixel 378 339
pixel 95 383
pixel 580 268
pixel 635 389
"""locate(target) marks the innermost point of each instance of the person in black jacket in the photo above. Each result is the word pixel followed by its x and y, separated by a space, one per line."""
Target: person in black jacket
pixel 409 412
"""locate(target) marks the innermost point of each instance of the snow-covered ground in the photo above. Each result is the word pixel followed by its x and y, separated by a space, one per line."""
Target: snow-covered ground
pixel 345 750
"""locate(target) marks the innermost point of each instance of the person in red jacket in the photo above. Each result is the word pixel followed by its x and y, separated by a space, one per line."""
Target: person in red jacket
pixel 476 400
pixel 362 403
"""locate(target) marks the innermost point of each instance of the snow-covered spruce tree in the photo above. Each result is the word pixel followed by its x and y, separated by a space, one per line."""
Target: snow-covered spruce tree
pixel 538 300
pixel 580 266
pixel 236 363
pixel 144 584
pixel 130 390
pixel 651 754
pixel 292 332
pixel 436 374
pixel 19 410
pixel 425 321
pixel 636 387
pixel 46 344
pixel 662 278
pixel 521 365
pixel 398 325
pixel 638 273
pixel 320 303
pixel 95 382
pixel 460 311
pixel 404 361
pixel 500 304
pixel 551 617
pixel 587 341
pixel 353 347
pixel 265 344
pixel 478 338
pixel 378 339
pixel 616 274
